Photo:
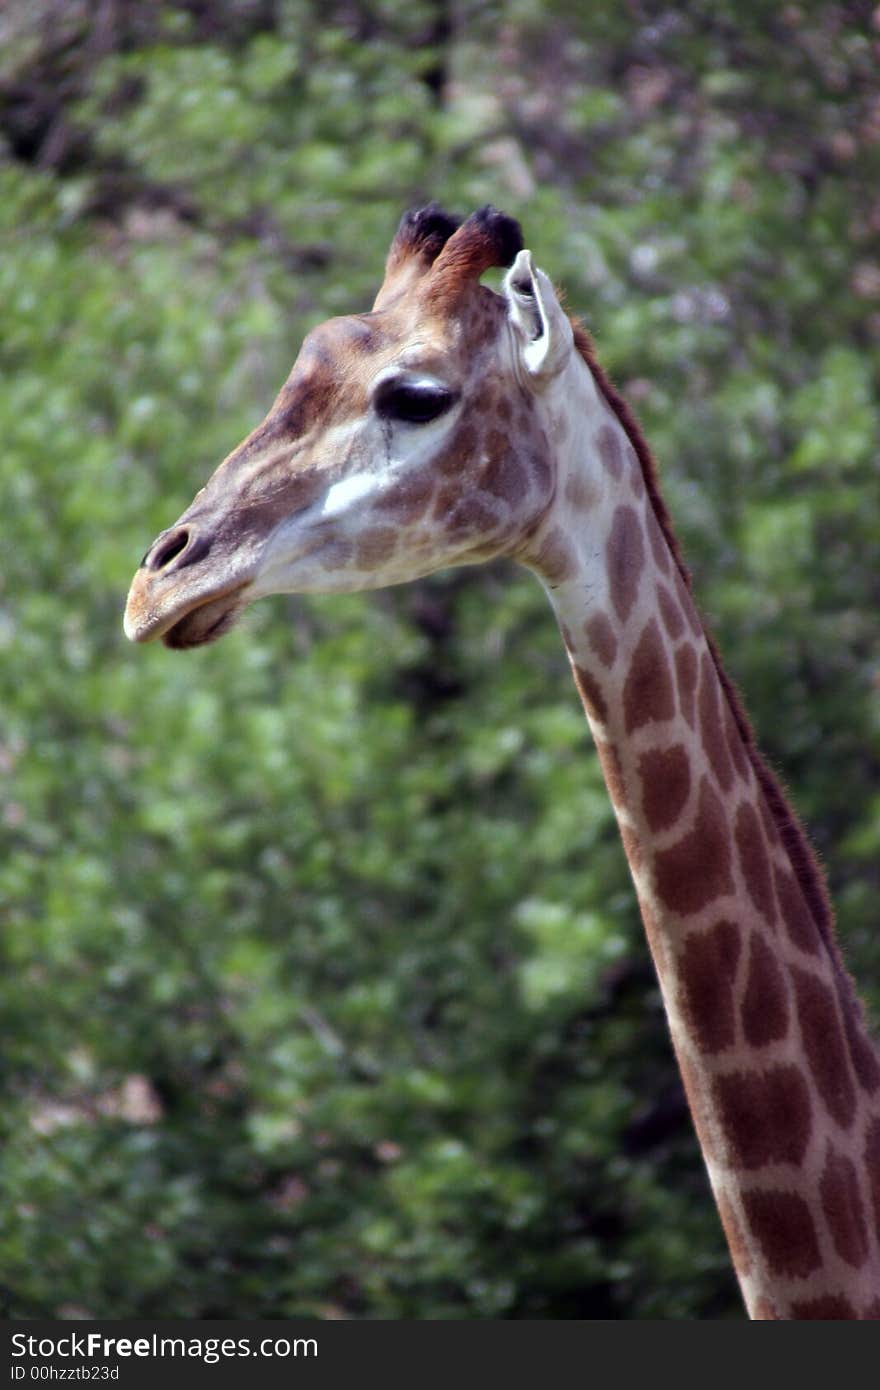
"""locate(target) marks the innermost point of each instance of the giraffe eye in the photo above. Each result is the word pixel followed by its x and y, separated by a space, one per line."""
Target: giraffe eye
pixel 415 402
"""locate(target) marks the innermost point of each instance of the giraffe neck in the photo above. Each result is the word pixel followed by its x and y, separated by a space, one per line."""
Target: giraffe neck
pixel 783 1084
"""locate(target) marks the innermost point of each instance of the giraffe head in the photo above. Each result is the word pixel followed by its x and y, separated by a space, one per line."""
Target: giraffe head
pixel 405 440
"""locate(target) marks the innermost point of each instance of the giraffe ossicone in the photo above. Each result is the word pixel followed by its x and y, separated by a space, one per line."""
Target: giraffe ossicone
pixel 452 425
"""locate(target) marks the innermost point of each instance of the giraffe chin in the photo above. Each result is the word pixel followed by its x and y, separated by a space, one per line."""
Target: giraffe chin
pixel 204 624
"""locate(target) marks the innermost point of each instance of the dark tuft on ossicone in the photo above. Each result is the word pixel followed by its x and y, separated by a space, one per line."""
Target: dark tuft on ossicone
pixel 425 231
pixel 488 238
pixel 505 232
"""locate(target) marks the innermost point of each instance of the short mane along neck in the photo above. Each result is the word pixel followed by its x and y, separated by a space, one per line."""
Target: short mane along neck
pixel 782 1081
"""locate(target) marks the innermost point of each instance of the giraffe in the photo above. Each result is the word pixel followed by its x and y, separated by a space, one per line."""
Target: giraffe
pixel 452 425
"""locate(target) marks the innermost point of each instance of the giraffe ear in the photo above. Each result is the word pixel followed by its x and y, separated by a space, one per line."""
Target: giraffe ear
pixel 542 325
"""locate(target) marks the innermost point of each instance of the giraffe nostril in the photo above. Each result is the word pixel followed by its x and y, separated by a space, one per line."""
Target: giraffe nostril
pixel 177 549
pixel 166 550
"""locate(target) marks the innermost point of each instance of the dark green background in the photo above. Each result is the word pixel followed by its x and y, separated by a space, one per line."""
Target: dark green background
pixel 324 990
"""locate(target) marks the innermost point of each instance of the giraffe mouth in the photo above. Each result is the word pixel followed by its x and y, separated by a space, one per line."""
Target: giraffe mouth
pixel 205 623
pixel 181 625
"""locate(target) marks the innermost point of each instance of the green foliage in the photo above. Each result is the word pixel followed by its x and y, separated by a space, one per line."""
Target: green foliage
pixel 324 987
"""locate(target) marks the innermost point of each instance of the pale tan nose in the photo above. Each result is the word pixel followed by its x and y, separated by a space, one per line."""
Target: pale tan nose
pixel 176 549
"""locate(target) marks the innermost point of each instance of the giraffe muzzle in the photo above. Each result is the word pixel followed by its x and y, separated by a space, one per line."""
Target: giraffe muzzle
pixel 178 597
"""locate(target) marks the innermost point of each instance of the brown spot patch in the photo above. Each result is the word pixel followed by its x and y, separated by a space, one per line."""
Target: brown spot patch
pixel 502 475
pixel 711 727
pixel 700 1109
pixel 448 495
pixel 686 677
pixel 735 746
pixel 824 1045
pixel 795 914
pixel 542 474
pixel 464 441
pixel 625 560
pixel 601 637
pixel 647 690
pixel 612 770
pixel 753 861
pixel 460 451
pixel 861 1049
pixel 765 1311
pixel 408 498
pixel 707 966
pixel 555 560
pixel 375 546
pixel 299 490
pixel 765 1115
pixel 666 782
pixel 670 613
pixel 742 1259
pixel 771 829
pixel 687 606
pixel 783 1227
pixel 765 1015
pixel 696 870
pixel 304 403
pixel 610 451
pixel 827 1308
pixel 591 694
pixel 335 554
pixel 636 481
pixel 872 1169
pixel 843 1208
pixel 470 516
pixel 659 548
pixel 656 940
